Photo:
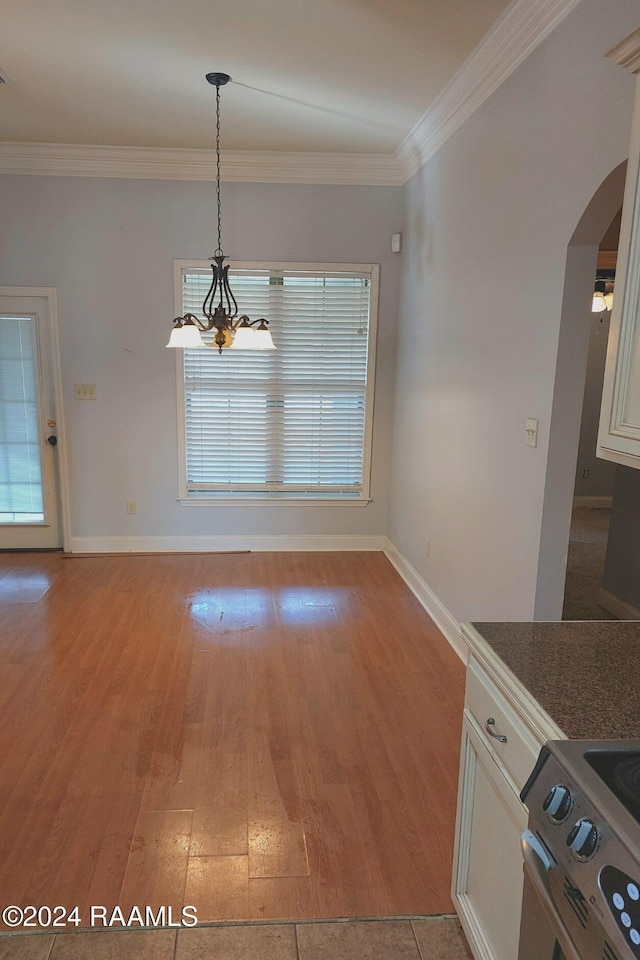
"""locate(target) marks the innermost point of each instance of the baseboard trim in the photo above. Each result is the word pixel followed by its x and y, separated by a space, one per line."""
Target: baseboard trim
pixel 444 620
pixel 594 503
pixel 223 544
pixel 619 608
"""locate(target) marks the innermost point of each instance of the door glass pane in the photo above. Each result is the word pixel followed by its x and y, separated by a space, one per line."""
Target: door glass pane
pixel 20 466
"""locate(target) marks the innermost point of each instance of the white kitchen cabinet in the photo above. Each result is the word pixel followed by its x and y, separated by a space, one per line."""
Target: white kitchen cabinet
pixel 487 868
pixel 487 886
pixel 619 430
pixel 497 754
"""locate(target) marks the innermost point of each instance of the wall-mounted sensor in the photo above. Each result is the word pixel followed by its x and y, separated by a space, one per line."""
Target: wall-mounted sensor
pixel 396 242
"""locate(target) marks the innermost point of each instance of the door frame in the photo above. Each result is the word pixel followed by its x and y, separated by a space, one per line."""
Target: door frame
pixel 55 370
pixel 568 392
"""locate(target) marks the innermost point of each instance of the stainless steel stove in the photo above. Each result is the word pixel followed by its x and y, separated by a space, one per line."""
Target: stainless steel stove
pixel 582 852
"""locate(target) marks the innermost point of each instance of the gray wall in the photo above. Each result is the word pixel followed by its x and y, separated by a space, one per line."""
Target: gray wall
pixel 108 247
pixel 599 483
pixel 488 222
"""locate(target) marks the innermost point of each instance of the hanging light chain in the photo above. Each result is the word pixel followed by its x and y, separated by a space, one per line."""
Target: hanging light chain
pixel 219 250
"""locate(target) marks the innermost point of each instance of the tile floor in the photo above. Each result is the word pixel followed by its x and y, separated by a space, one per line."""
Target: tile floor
pixel 429 938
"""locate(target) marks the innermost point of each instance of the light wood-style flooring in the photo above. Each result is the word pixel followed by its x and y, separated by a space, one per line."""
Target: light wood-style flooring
pixel 262 736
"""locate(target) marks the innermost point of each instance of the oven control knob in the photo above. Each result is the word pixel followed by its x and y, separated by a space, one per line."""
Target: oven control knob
pixel 558 802
pixel 583 839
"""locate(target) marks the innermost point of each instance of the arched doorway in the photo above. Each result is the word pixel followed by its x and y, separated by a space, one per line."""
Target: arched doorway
pixel 568 392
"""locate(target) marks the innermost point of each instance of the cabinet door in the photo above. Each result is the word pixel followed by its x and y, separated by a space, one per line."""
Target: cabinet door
pixel 619 432
pixel 487 869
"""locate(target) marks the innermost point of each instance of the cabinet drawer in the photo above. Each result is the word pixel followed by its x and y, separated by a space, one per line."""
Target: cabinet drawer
pixel 485 701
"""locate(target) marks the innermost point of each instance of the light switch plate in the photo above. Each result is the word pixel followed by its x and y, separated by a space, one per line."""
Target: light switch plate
pixel 531 433
pixel 84 391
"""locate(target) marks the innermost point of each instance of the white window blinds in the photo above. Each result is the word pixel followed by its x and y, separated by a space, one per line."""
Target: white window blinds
pixel 289 421
pixel 20 468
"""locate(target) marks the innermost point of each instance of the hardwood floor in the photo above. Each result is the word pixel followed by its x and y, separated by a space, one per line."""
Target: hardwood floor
pixel 263 736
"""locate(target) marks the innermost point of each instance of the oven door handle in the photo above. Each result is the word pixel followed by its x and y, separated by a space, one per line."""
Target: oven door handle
pixel 536 864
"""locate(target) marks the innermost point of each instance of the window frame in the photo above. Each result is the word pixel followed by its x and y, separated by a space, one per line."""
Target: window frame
pixel 209 498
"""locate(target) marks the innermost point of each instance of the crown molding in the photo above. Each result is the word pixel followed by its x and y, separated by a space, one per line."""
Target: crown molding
pixel 523 25
pixel 627 52
pixel 158 163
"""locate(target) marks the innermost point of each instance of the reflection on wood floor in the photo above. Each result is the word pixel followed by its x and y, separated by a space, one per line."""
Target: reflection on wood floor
pixel 260 735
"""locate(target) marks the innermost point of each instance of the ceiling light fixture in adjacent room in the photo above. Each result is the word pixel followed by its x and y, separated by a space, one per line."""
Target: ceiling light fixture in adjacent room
pixel 602 295
pixel 220 309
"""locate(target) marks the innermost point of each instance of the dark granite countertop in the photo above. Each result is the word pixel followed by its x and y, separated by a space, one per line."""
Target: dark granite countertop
pixel 585 675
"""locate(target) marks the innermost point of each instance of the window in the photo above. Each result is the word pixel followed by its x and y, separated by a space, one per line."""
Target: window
pixel 289 423
pixel 20 469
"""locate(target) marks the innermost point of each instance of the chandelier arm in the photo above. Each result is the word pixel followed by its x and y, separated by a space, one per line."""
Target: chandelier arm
pixel 245 321
pixel 208 306
pixel 191 317
pixel 231 304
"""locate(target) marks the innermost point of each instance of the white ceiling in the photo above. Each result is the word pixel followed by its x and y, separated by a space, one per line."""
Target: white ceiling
pixel 336 76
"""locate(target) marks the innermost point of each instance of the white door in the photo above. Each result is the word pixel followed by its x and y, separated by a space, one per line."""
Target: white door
pixel 30 513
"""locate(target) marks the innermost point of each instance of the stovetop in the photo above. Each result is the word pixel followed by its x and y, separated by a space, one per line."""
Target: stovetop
pixel 620 771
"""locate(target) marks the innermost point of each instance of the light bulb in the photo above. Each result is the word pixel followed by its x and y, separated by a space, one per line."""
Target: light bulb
pixel 599 303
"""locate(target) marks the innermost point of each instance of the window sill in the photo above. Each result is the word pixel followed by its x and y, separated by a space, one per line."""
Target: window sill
pixel 12 524
pixel 280 501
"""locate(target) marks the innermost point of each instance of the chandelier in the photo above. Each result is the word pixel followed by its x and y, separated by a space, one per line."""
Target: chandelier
pixel 220 309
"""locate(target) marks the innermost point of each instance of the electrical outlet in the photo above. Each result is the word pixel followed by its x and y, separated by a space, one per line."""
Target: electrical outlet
pixel 585 474
pixel 131 506
pixel 427 547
